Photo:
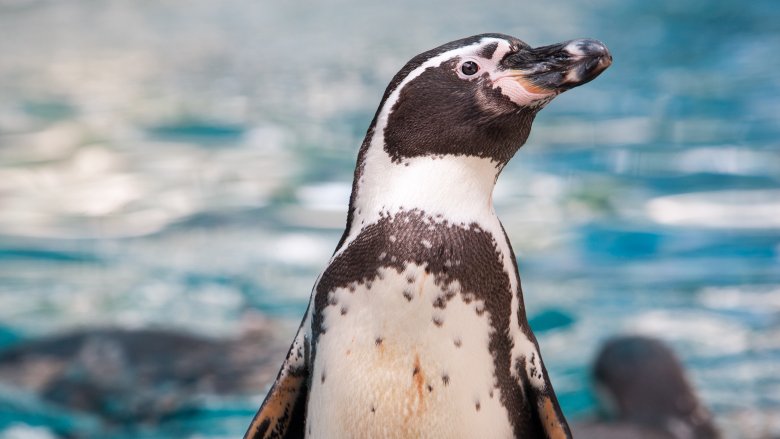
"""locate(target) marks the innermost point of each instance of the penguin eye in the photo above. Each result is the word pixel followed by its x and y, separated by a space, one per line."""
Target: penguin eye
pixel 469 68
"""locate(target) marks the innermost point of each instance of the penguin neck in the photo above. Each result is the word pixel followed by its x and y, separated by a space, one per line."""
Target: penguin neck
pixel 457 189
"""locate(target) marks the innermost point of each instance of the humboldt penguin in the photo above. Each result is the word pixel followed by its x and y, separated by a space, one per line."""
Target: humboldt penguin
pixel 417 328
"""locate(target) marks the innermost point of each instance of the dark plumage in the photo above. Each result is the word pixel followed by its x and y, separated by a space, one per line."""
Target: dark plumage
pixel 128 376
pixel 645 394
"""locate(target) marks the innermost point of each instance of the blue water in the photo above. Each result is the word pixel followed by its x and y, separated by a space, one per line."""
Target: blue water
pixel 177 163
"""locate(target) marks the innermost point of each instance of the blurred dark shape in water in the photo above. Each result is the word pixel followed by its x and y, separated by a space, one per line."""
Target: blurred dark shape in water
pixel 645 394
pixel 125 377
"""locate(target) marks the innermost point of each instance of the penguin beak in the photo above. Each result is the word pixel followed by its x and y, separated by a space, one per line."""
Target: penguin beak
pixel 559 67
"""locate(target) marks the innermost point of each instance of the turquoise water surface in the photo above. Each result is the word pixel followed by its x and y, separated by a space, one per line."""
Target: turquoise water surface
pixel 174 164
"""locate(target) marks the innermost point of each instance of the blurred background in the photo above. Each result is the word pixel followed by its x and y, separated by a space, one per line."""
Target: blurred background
pixel 174 175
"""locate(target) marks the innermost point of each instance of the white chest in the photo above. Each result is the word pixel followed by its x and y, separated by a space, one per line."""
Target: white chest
pixel 404 357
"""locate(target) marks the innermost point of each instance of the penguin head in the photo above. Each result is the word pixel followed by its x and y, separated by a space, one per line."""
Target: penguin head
pixel 478 96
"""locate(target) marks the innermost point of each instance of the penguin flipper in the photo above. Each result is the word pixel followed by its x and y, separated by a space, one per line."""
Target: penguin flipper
pixel 283 412
pixel 553 422
pixel 542 396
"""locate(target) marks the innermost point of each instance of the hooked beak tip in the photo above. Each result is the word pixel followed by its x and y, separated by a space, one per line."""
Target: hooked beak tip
pixel 574 63
pixel 587 47
pixel 589 58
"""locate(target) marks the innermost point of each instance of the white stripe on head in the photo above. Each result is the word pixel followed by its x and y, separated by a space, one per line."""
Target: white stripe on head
pixel 465 52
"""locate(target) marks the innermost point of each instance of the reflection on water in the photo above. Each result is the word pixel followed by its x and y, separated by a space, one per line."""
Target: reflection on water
pixel 176 163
